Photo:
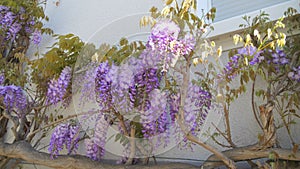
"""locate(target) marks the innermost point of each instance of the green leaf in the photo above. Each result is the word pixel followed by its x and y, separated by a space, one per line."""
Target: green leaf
pixel 213 10
pixel 252 74
pixel 118 136
pixel 126 141
pixel 168 2
pixel 123 41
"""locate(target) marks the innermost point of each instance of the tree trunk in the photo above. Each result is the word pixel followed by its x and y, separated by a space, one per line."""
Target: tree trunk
pixel 268 139
pixel 251 153
pixel 23 150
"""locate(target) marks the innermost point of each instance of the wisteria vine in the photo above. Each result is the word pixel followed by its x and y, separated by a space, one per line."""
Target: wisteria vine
pixel 12 23
pixel 135 89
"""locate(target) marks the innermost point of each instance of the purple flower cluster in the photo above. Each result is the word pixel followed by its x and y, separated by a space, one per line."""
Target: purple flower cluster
pixel 144 82
pixel 232 64
pixel 95 145
pixel 122 76
pixel 295 74
pixel 129 82
pixel 276 57
pixel 148 59
pixel 125 155
pixel 234 61
pixel 184 46
pixel 36 37
pixel 103 86
pixel 154 118
pixel 196 107
pixel 8 22
pixel 57 89
pixel 13 98
pixel 250 51
pixel 162 35
pixel 12 23
pixel 87 84
pixel 279 57
pixel 164 38
pixel 93 150
pixel 64 134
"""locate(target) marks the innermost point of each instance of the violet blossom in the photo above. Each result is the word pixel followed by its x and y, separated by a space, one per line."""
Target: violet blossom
pixel 64 135
pixel 13 98
pixel 57 89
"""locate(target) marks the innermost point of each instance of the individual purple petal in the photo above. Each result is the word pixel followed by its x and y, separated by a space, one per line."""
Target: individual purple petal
pixel 2 78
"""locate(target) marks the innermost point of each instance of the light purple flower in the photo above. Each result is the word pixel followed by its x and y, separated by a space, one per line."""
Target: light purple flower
pixel 57 89
pixel 184 46
pixel 295 74
pixel 279 57
pixel 87 84
pixel 103 86
pixel 13 98
pixel 95 145
pixel 153 117
pixel 36 37
pixel 2 78
pixel 164 39
pixel 162 34
pixel 64 135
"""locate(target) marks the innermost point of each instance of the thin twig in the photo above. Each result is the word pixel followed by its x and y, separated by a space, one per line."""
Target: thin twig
pixel 121 118
pixel 253 103
pixel 56 122
pixel 15 124
pixel 219 143
pixel 223 135
pixel 228 130
pixel 132 146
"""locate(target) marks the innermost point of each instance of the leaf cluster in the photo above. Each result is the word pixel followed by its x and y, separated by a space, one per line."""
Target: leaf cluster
pixel 62 53
pixel 13 52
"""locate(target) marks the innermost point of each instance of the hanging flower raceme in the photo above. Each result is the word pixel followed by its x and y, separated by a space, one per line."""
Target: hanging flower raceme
pixel 196 107
pixel 64 135
pixel 13 98
pixel 148 59
pixel 13 23
pixel 241 58
pixel 36 37
pixel 154 117
pixel 93 150
pixel 295 74
pixel 278 57
pixel 165 39
pixel 95 145
pixel 57 89
pixel 144 83
pixel 174 102
pixel 162 35
pixel 87 81
pixel 237 59
pixel 103 86
pixel 184 46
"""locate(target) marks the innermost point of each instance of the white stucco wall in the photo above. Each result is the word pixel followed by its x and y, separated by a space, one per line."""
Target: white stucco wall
pixel 111 20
